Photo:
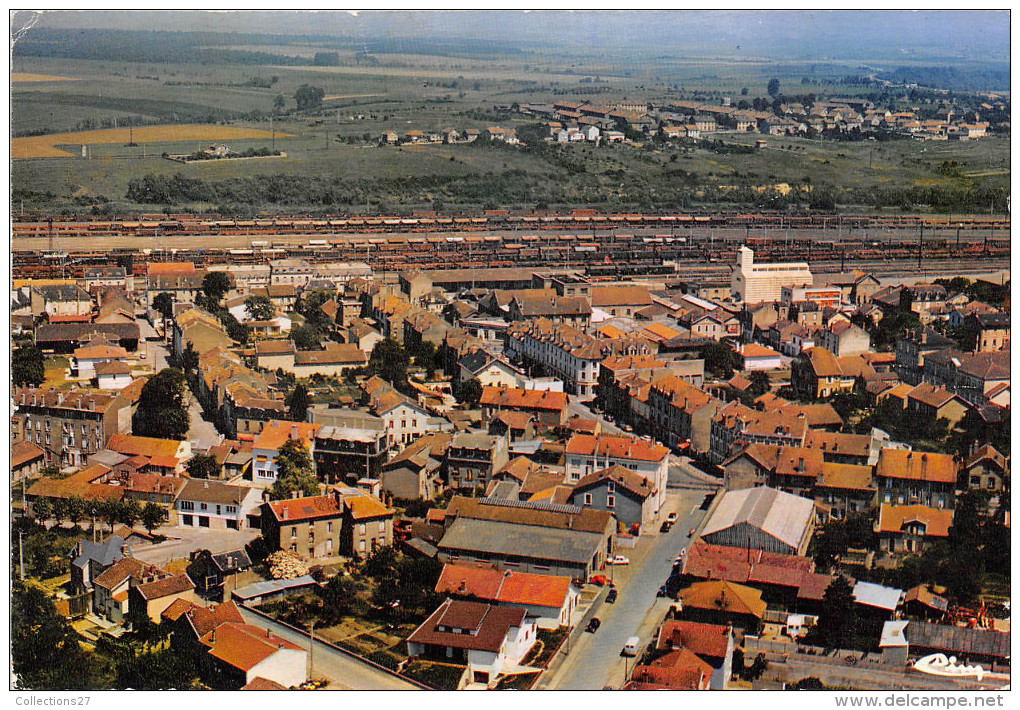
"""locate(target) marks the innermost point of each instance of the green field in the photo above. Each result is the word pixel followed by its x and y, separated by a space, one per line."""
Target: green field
pixel 401 92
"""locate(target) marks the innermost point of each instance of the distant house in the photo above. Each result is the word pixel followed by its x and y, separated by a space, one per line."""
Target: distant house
pixel 987 470
pixel 723 603
pixel 912 477
pixel 548 408
pixel 759 357
pixel 761 518
pixel 629 496
pixel 710 642
pixel 911 528
pixel 147 600
pixel 217 505
pixel 674 670
pixel 217 574
pixel 549 599
pixel 487 639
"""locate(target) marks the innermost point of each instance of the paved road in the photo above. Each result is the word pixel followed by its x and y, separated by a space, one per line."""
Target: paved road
pixel 595 660
pixel 183 540
pixel 340 669
pixel 585 412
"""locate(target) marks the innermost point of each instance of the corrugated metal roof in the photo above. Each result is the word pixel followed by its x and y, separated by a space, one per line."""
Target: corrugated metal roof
pixel 878 596
pixel 781 515
pixel 515 540
pixel 274 585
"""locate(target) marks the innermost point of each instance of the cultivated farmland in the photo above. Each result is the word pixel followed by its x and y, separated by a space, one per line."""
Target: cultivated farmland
pixel 46 146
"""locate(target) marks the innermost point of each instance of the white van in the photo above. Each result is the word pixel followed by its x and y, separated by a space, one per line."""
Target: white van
pixel 631 647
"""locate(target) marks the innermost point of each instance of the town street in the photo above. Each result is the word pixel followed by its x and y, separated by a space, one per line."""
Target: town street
pixel 343 671
pixel 595 662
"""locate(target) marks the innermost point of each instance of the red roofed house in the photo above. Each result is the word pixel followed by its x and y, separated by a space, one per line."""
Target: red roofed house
pixel 239 653
pixel 148 600
pixel 712 643
pixel 548 408
pixel 85 359
pixel 488 639
pixel 676 670
pixel 909 528
pixel 549 599
pixel 267 445
pixel 111 587
pixel 310 526
pixel 587 454
pixel 759 357
pixel 914 477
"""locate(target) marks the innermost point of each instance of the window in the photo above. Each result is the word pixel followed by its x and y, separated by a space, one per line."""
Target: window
pixel 587 498
pixel 361 528
pixel 187 505
pixel 231 508
pixel 382 526
pixel 329 526
pixel 610 501
pixel 203 506
pixel 611 486
pixel 361 545
pixel 329 546
pixel 293 533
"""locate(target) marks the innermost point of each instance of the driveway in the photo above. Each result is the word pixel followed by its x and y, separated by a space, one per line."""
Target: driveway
pixel 182 541
pixel 343 671
pixel 595 661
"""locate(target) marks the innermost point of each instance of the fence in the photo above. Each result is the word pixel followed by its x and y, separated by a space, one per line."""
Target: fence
pixel 340 649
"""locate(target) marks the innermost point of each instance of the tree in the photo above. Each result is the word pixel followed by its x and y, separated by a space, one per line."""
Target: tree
pixel 469 393
pixel 215 286
pixel 203 466
pixel 163 304
pixel 76 508
pixel 294 471
pixel 279 103
pixel 390 361
pixel 338 596
pixel 306 338
pixel 164 669
pixel 773 87
pixel 259 307
pixel 45 652
pixel 838 616
pixel 189 359
pixel 27 367
pixel 42 509
pixel 309 97
pixel 153 515
pixel 128 512
pixel 108 510
pixel 161 406
pixel 425 356
pixel 297 403
pixel 720 359
pixel 760 383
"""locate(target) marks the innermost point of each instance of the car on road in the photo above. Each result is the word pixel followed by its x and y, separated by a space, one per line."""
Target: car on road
pixel 631 647
pixel 671 518
pixel 681 556
pixel 593 625
pixel 601 580
pixel 666 526
pixel 611 597
pixel 618 560
pixel 663 591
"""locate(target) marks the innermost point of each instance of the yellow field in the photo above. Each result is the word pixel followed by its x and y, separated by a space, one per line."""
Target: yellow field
pixel 46 146
pixel 19 77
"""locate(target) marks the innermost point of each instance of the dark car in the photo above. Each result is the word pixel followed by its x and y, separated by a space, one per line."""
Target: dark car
pixel 666 526
pixel 611 597
pixel 593 625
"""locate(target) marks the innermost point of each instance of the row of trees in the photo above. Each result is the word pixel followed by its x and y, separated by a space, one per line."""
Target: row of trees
pixel 75 509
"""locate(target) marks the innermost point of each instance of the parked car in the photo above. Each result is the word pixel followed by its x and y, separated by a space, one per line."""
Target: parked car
pixel 631 647
pixel 611 597
pixel 618 560
pixel 671 518
pixel 593 625
pixel 666 526
pixel 600 580
pixel 663 591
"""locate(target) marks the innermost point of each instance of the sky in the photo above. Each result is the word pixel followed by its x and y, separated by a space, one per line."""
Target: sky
pixel 776 34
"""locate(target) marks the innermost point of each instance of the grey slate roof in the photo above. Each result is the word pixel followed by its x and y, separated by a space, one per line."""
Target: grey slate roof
pixel 475 361
pixel 512 540
pixel 233 560
pixel 105 553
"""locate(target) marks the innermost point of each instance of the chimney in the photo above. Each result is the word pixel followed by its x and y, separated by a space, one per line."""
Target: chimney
pixel 293 431
pixel 800 464
pixel 924 465
pixel 284 513
pixel 214 635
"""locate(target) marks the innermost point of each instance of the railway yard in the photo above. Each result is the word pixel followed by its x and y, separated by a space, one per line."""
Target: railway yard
pixel 605 246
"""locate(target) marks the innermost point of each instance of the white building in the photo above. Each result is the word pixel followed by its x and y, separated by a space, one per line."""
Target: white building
pixel 217 505
pixel 754 283
pixel 588 453
pixel 488 639
pixel 267 445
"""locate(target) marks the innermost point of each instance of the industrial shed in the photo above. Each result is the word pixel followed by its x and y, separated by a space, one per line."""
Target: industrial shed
pixel 762 519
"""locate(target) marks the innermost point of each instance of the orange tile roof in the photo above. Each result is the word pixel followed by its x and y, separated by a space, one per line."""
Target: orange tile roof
pixel 244 646
pixel 172 267
pixel 845 476
pixel 309 508
pixel 364 506
pixel 633 482
pixel 676 670
pixel 143 446
pixel 276 433
pixel 23 452
pixel 702 639
pixel 611 331
pixel 166 586
pixel 477 580
pixel 660 330
pixel 204 619
pixel 177 609
pixel 94 352
pixel 723 596
pixel 916 466
pixel 525 399
pixel 893 518
pixel 616 447
pixel 755 350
